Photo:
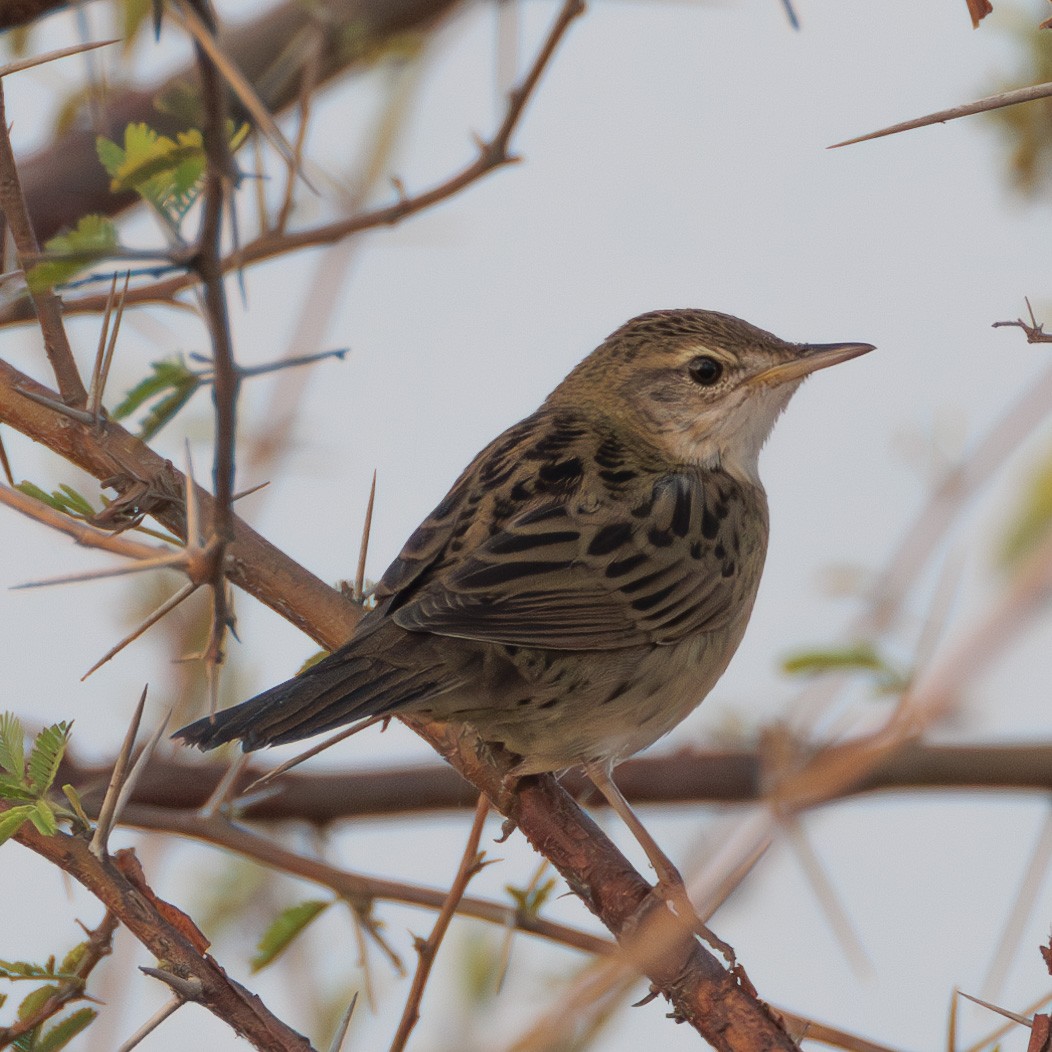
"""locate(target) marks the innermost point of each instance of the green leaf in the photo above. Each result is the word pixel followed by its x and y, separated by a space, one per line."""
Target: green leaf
pixel 530 901
pixel 93 237
pixel 71 962
pixel 73 797
pixel 11 821
pixel 65 1030
pixel 12 788
pixel 33 1002
pixel 858 657
pixel 1033 518
pixel 23 970
pixel 313 660
pixel 284 928
pixel 12 745
pixel 44 818
pixel 65 499
pixel 172 383
pixel 164 172
pixel 75 501
pixel 46 755
pixel 133 13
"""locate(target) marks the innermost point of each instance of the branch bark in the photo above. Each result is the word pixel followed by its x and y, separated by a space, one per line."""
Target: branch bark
pixel 696 776
pixel 702 992
pixel 144 915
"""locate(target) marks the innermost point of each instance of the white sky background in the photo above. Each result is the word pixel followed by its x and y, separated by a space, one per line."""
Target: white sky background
pixel 674 156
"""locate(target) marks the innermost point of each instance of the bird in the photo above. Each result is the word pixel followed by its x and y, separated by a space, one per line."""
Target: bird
pixel 588 577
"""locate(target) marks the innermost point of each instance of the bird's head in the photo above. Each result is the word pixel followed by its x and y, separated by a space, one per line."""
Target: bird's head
pixel 702 387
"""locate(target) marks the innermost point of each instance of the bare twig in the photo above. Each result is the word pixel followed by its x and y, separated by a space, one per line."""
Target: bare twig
pixel 152 1023
pixel 353 887
pixel 99 944
pixel 492 154
pixel 226 379
pixel 470 864
pixel 48 311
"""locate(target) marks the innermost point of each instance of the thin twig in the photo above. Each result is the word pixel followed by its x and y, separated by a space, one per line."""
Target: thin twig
pixel 226 380
pixel 48 310
pixel 353 887
pixel 151 1024
pixel 492 154
pixel 470 864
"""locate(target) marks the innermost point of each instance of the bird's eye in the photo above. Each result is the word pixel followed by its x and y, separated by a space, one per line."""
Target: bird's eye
pixel 705 370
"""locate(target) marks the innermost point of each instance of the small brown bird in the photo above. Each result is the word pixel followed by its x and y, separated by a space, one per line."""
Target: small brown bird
pixel 589 576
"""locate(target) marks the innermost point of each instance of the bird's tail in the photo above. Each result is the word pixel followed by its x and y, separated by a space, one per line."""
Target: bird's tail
pixel 333 692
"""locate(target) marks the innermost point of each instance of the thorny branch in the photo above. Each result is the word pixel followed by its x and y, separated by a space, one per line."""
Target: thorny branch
pixel 492 154
pixel 226 382
pixel 717 1003
pixel 45 303
pixel 117 882
pixel 98 945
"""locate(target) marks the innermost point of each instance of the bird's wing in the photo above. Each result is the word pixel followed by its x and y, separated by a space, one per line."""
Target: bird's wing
pixel 565 576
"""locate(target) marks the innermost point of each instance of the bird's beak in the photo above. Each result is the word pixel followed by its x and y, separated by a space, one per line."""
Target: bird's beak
pixel 810 358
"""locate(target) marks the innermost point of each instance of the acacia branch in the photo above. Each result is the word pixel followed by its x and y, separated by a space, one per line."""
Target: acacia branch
pixel 65 181
pixel 175 785
pixel 45 303
pixel 493 153
pixel 113 881
pixel 701 990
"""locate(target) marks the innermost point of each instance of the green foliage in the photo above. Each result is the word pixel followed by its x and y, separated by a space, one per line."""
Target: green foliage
pixel 1028 128
pixel 321 655
pixel 65 984
pixel 530 900
pixel 133 15
pixel 65 499
pixel 284 928
pixel 12 745
pixel 169 387
pixel 859 657
pixel 12 820
pixel 166 173
pixel 60 1035
pixel 1032 519
pixel 48 749
pixel 29 780
pixel 94 236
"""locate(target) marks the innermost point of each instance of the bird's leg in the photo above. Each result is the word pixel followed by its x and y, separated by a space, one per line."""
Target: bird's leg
pixel 670 882
pixel 667 874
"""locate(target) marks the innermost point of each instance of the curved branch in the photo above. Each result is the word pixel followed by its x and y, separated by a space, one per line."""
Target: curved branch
pixel 152 922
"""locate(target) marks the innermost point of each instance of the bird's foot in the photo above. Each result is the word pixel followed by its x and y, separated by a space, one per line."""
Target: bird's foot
pixel 673 890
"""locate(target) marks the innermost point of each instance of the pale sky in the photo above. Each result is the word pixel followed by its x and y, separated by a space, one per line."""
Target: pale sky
pixel 675 156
